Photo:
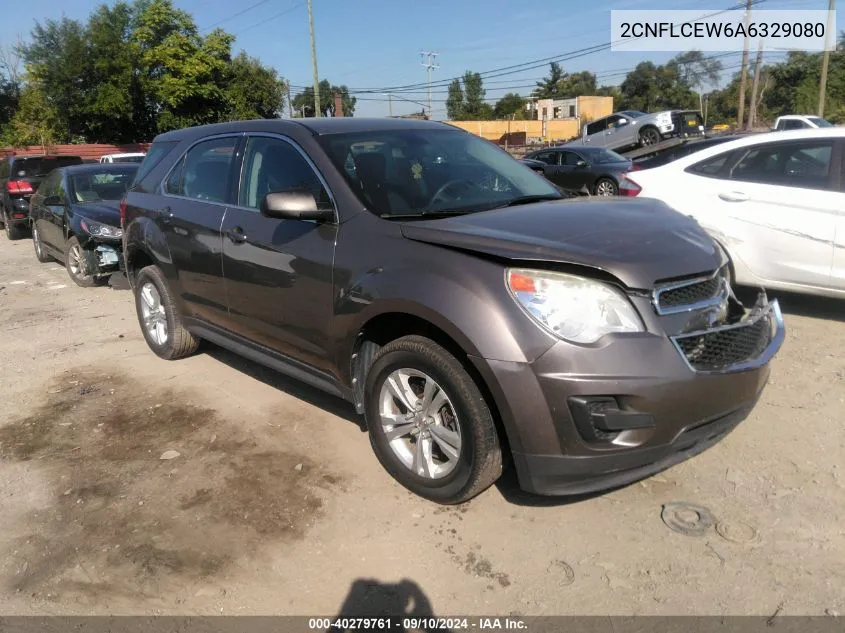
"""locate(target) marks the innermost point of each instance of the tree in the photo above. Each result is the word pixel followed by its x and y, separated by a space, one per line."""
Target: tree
pixel 253 91
pixel 303 103
pixel 511 105
pixel 577 85
pixel 36 121
pixel 695 70
pixel 549 87
pixel 652 88
pixel 455 105
pixel 475 109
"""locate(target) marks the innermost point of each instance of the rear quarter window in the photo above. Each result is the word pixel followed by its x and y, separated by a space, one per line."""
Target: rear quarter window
pixel 144 181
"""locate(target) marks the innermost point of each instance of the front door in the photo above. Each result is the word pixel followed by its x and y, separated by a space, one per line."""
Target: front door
pixel 194 204
pixel 279 272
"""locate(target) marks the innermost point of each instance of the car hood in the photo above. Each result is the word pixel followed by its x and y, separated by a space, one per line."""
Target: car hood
pixel 105 211
pixel 637 241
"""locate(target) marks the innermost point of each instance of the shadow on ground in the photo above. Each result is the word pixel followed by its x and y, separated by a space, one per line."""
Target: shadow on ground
pixel 402 602
pixel 331 404
pixel 810 306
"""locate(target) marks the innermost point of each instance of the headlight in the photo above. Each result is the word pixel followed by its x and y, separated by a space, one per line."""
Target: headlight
pixel 573 308
pixel 97 229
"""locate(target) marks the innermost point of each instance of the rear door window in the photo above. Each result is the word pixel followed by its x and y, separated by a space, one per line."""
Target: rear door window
pixel 597 126
pixel 204 172
pixel 550 158
pixel 805 164
pixel 713 166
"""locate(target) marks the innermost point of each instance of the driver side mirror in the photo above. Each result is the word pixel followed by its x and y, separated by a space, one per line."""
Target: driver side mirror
pixel 53 201
pixel 581 163
pixel 295 204
pixel 621 122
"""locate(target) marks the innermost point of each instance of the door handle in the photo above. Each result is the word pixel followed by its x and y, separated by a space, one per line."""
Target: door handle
pixel 734 196
pixel 236 235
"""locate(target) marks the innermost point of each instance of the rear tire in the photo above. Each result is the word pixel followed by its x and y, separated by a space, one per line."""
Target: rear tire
pixel 605 187
pixel 452 451
pixel 13 231
pixel 161 323
pixel 649 136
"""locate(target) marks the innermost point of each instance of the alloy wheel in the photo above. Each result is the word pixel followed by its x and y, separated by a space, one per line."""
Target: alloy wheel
pixel 420 423
pixel 605 188
pixel 153 315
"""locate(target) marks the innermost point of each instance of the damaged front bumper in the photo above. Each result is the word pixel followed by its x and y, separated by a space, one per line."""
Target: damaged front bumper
pixel 100 259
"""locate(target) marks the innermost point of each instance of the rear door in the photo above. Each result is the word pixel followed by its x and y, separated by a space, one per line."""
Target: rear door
pixel 595 133
pixel 50 218
pixel 551 159
pixel 196 193
pixel 279 272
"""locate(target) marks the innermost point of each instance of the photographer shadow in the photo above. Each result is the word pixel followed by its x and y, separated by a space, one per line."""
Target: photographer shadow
pixel 369 598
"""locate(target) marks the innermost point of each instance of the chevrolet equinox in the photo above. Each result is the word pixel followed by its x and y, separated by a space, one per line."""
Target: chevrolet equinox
pixel 469 312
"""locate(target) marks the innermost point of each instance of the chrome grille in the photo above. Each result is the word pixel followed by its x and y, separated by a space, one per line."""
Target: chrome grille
pixel 691 294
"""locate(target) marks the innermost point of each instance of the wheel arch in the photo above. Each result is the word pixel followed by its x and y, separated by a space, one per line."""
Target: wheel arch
pixel 388 326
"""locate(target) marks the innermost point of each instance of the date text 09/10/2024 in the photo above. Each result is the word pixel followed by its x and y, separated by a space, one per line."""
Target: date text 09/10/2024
pixel 412 623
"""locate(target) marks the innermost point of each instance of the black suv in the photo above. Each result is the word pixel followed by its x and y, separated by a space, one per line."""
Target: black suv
pixel 19 179
pixel 470 312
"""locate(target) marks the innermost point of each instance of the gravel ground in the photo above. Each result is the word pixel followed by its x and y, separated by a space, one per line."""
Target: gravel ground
pixel 132 485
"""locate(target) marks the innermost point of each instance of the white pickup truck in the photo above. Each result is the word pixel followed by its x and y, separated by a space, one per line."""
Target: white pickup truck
pixel 799 122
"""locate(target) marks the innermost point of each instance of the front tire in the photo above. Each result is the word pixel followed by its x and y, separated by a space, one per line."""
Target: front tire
pixel 74 263
pixel 161 323
pixel 649 136
pixel 39 247
pixel 429 424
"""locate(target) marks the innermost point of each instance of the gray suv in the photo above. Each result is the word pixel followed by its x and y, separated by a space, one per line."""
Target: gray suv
pixel 452 295
pixel 631 128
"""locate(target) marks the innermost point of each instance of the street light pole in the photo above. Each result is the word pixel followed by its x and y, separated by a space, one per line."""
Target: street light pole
pixel 826 58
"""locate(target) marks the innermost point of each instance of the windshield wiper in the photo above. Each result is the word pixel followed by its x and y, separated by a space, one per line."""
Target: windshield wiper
pixel 428 215
pixel 530 199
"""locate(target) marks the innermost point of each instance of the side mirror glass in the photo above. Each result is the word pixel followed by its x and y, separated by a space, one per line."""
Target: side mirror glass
pixel 53 201
pixel 581 163
pixel 296 204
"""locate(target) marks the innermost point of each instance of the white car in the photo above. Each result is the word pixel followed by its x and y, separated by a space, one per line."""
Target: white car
pixel 131 157
pixel 789 122
pixel 775 202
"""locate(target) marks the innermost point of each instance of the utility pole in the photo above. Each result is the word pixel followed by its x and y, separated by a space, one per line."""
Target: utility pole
pixel 389 104
pixel 831 7
pixel 429 65
pixel 314 62
pixel 752 107
pixel 290 105
pixel 741 108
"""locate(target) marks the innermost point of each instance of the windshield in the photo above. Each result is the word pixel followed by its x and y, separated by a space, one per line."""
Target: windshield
pixel 410 172
pixel 606 156
pixel 42 165
pixel 819 122
pixel 98 186
pixel 129 159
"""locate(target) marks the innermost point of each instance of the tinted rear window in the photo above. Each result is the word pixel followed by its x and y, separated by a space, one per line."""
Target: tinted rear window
pixel 40 166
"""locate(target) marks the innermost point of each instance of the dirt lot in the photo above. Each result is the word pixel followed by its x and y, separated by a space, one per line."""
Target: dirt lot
pixel 273 503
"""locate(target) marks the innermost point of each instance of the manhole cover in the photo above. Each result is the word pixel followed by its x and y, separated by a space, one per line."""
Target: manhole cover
pixel 687 518
pixel 738 532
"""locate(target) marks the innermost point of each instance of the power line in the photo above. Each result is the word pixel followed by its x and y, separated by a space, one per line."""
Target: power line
pixel 537 63
pixel 271 18
pixel 235 15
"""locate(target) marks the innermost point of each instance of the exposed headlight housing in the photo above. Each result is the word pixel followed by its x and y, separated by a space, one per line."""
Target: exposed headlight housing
pixel 98 229
pixel 573 308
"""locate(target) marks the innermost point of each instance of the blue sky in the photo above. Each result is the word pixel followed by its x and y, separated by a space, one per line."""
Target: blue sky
pixel 376 43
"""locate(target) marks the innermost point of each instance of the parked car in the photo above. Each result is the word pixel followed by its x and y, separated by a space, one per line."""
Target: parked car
pixel 799 122
pixel 19 178
pixel 76 219
pixel 136 157
pixel 467 310
pixel 631 128
pixel 679 151
pixel 598 170
pixel 775 202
